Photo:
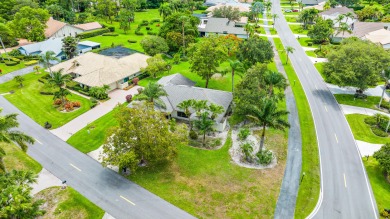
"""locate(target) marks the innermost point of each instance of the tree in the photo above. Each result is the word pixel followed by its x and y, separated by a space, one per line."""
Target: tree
pixel 204 125
pixel 383 158
pixel 343 27
pixel 7 36
pixel 19 79
pixel 99 92
pixel 249 29
pixel 61 94
pixel 386 78
pixel 274 17
pixel 231 42
pixel 215 110
pixel 30 23
pixel 69 46
pixel 5 9
pixel 369 13
pixel 289 49
pixel 356 63
pixel 165 10
pixel 8 134
pixel 142 137
pixel 200 106
pixel 237 67
pixel 274 79
pixel 268 5
pixel 126 16
pixel 186 105
pixel 153 93
pixel 153 45
pixel 206 56
pixel 47 58
pixel 308 16
pixel 59 79
pixel 322 31
pixel 256 9
pixel 255 50
pixel 229 12
pixel 106 8
pixel 266 114
pixel 15 195
pixel 156 64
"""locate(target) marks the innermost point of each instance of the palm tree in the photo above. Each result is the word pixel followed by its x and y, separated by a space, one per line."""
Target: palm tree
pixel 200 105
pixel 184 25
pixel 292 5
pixel 266 114
pixel 61 94
pixel 250 30
pixel 344 27
pixel 274 17
pixel 289 49
pixel 268 6
pixel 47 58
pixel 237 67
pixel 165 10
pixel 215 110
pixel 153 93
pixel 8 134
pixel 59 79
pixel 19 79
pixel 274 79
pixel 349 15
pixel 185 106
pixel 204 125
pixel 300 5
pixel 37 68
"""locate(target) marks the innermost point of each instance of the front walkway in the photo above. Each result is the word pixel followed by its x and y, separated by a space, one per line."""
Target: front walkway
pixel 375 91
pixel 45 180
pixel 117 96
pixel 10 76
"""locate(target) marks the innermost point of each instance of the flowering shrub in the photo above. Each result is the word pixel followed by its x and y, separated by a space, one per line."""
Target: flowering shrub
pixel 129 98
pixel 76 104
pixel 135 81
pixel 57 102
pixel 68 106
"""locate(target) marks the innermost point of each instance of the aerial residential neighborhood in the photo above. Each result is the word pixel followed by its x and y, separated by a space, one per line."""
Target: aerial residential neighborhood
pixel 195 109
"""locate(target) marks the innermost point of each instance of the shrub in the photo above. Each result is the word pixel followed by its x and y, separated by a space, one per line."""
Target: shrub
pixel 76 104
pixel 148 28
pixel 151 33
pixel 110 34
pixel 15 52
pixel 139 90
pixel 247 149
pixel 310 44
pixel 10 63
pixel 385 105
pixel 217 142
pixel 129 98
pixel 370 120
pixel 135 81
pixel 57 102
pixel 46 93
pixel 92 33
pixel 385 213
pixel 94 102
pixel 155 20
pixel 193 135
pixel 144 23
pixel 143 75
pixel 138 33
pixel 132 41
pixel 68 106
pixel 47 125
pixel 244 133
pixel 32 62
pixel 377 131
pixel 112 29
pixel 265 157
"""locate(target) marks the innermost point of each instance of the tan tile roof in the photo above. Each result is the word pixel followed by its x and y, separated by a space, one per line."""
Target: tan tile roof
pixel 52 26
pixel 360 29
pixel 381 36
pixel 98 70
pixel 89 26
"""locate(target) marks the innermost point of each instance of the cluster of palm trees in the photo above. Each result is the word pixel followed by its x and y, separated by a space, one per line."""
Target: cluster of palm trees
pixel 308 16
pixel 342 22
pixel 59 79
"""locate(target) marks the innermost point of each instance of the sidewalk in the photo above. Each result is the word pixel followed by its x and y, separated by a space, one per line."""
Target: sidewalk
pixel 117 96
pixel 45 180
pixel 10 76
pixel 347 109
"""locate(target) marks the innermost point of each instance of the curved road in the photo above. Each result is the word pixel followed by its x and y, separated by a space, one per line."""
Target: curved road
pixel 345 189
pixel 115 194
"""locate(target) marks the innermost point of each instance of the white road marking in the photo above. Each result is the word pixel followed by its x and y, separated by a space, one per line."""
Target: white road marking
pixel 336 138
pixel 316 87
pixel 75 167
pixel 127 200
pixel 345 181
pixel 38 141
pixel 326 109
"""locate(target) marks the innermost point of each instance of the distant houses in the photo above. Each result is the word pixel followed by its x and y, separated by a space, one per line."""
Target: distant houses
pixel 55 28
pixel 222 26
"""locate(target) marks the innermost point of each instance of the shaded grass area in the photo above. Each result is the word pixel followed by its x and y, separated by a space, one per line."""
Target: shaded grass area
pixel 320 68
pixel 362 131
pixel 310 188
pixel 305 41
pixel 67 203
pixel 291 19
pixel 349 99
pixel 380 186
pixel 40 107
pixel 16 159
pixel 298 29
pixel 313 54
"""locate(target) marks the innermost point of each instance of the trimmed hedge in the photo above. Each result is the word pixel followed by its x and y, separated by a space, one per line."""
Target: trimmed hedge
pixel 92 33
pixel 110 34
pixel 32 62
pixel 370 120
pixel 132 41
pixel 10 63
pixel 385 105
pixel 377 131
pixel 112 29
pixel 137 32
pixel 151 33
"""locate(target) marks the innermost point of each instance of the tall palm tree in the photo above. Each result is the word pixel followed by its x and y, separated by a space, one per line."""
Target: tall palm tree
pixel 165 10
pixel 200 105
pixel 344 27
pixel 274 17
pixel 61 94
pixel 349 15
pixel 289 49
pixel 47 58
pixel 300 5
pixel 215 110
pixel 268 5
pixel 204 125
pixel 185 20
pixel 8 135
pixel 237 67
pixel 274 79
pixel 292 5
pixel 185 106
pixel 250 30
pixel 153 93
pixel 59 79
pixel 266 114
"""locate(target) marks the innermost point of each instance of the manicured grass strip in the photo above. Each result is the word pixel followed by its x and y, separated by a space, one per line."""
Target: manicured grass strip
pixel 68 203
pixel 319 66
pixel 87 142
pixel 298 29
pixel 16 159
pixel 7 69
pixel 312 54
pixel 304 41
pixel 361 131
pixel 380 187
pixel 349 99
pixel 40 107
pixel 310 187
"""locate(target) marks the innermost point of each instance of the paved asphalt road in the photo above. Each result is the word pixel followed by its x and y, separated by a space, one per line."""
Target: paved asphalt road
pixel 113 193
pixel 345 189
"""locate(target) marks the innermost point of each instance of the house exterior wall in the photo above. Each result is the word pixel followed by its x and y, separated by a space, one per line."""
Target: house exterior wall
pixel 113 86
pixel 67 30
pixel 218 126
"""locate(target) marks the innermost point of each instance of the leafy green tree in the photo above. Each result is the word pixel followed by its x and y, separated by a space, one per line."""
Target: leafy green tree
pixel 322 31
pixel 268 6
pixel 356 63
pixel 8 134
pixel 23 3
pixel 19 79
pixel 59 79
pixel 7 36
pixel 383 157
pixel 250 30
pixel 369 13
pixel 15 195
pixel 256 9
pixel 215 110
pixel 126 16
pixel 156 65
pixel 47 58
pixel 5 9
pixel 255 50
pixel 69 46
pixel 289 49
pixel 344 27
pixel 153 93
pixel 144 137
pixel 106 8
pixel 229 12
pixel 56 11
pixel 30 23
pixel 266 114
pixel 165 10
pixel 308 16
pixel 237 67
pixel 204 125
pixel 206 56
pixel 153 45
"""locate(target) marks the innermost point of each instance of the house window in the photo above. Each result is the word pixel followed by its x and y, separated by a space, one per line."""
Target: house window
pixel 181 114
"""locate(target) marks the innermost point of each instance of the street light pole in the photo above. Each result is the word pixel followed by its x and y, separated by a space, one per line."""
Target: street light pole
pixel 5 52
pixel 303 175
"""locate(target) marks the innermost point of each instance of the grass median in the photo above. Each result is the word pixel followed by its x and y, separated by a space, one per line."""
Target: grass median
pixel 310 187
pixel 362 132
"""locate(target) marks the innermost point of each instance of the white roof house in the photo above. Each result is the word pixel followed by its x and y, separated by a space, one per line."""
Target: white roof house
pixel 55 28
pixel 381 37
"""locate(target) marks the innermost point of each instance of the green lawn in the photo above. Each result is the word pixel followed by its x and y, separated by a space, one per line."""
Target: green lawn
pixel 320 67
pixel 380 187
pixel 304 41
pixel 311 54
pixel 298 29
pixel 16 159
pixel 349 99
pixel 40 107
pixel 310 188
pixel 68 203
pixel 291 19
pixel 273 31
pixel 361 131
pixel 291 13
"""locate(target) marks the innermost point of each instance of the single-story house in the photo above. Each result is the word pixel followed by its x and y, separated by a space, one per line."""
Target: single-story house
pixel 55 45
pixel 180 88
pixel 227 2
pixel 221 26
pixel 382 37
pixel 95 70
pixel 359 29
pixel 312 2
pixel 55 29
pixel 89 26
pixel 334 13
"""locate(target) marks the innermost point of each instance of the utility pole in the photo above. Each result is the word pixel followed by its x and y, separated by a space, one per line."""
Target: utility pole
pixel 5 52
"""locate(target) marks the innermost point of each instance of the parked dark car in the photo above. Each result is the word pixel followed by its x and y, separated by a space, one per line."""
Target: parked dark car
pixel 295 10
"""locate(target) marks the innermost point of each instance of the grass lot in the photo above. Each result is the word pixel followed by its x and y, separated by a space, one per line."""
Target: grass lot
pixel 304 41
pixel 361 131
pixel 291 19
pixel 312 54
pixel 349 99
pixel 40 107
pixel 310 188
pixel 291 13
pixel 8 69
pixel 67 203
pixel 16 159
pixel 298 29
pixel 273 31
pixel 320 67
pixel 380 187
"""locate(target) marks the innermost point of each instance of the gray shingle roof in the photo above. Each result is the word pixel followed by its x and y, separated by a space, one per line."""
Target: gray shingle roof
pixel 176 79
pixel 312 2
pixel 221 25
pixel 54 45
